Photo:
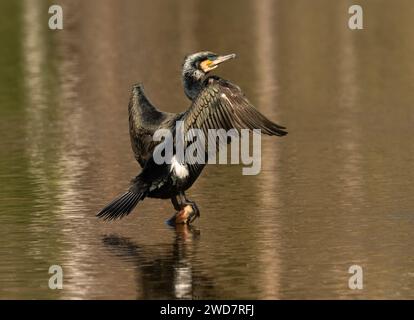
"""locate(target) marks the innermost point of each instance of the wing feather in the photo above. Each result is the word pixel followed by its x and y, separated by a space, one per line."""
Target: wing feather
pixel 144 120
pixel 222 105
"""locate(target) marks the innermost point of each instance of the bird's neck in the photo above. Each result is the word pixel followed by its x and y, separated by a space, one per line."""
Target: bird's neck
pixel 193 81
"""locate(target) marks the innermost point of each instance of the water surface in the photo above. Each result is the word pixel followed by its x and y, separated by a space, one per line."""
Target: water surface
pixel 337 191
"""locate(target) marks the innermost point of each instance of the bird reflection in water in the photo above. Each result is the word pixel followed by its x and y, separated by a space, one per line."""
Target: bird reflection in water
pixel 165 271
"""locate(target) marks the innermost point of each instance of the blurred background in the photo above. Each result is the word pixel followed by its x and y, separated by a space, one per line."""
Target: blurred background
pixel 337 191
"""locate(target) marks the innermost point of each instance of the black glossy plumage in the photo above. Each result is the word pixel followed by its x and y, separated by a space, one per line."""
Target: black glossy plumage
pixel 144 120
pixel 216 104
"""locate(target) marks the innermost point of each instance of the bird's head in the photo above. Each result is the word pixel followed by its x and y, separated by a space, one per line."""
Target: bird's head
pixel 196 66
pixel 204 62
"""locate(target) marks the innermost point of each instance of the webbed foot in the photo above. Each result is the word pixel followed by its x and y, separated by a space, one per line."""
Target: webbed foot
pixel 185 216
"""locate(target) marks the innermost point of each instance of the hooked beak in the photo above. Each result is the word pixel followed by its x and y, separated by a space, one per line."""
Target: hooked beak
pixel 222 59
pixel 208 65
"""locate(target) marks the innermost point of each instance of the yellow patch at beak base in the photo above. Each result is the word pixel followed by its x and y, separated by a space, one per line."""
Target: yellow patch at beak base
pixel 205 65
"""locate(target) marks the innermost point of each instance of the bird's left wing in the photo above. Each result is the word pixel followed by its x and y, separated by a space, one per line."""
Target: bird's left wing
pixel 222 105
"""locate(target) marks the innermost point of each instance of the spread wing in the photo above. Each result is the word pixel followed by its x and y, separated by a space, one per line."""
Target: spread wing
pixel 222 105
pixel 144 119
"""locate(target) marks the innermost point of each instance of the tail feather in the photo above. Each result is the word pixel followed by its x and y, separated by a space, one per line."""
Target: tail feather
pixel 121 206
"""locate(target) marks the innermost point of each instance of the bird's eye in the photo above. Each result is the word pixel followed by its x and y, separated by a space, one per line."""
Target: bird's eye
pixel 212 58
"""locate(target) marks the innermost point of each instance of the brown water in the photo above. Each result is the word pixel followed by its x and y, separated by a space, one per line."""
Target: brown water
pixel 337 191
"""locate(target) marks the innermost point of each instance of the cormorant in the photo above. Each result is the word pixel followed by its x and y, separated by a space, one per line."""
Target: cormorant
pixel 215 104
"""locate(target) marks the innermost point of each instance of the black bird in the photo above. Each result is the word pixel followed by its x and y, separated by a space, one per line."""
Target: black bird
pixel 215 104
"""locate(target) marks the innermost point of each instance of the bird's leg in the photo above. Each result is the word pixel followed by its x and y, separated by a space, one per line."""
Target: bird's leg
pixel 175 203
pixel 187 210
pixel 180 212
pixel 193 205
pixel 195 211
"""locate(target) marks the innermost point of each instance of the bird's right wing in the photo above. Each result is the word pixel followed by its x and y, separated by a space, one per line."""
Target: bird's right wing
pixel 144 119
